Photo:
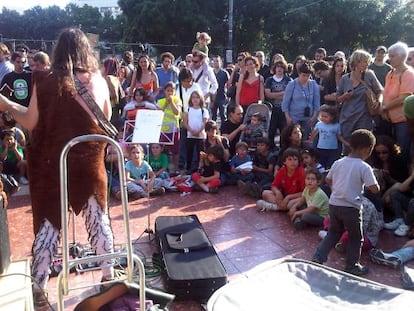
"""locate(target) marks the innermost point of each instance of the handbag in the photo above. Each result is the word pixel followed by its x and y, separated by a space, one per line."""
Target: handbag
pixel 371 100
pixel 110 130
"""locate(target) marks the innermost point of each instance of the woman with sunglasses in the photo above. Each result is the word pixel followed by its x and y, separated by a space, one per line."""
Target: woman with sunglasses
pixel 145 77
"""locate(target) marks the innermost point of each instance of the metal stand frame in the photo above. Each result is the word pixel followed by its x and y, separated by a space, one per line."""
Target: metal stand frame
pixel 63 277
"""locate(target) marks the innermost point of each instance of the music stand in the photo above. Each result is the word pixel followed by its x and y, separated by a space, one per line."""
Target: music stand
pixel 147 130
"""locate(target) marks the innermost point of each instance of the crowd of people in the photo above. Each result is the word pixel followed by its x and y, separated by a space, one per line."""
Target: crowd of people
pixel 329 144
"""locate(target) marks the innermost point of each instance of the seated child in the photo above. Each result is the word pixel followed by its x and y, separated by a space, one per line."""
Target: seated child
pixel 201 46
pixel 138 101
pixel 316 203
pixel 158 161
pixel 287 186
pixel 139 174
pixel 208 176
pixel 241 165
pixel 254 130
pixel 310 160
pixel 11 156
pixel 263 165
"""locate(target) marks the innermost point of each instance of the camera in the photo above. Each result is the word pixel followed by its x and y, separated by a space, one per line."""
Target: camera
pixel 307 111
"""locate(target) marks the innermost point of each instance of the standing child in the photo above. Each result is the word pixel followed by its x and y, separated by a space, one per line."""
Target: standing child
pixel 347 177
pixel 254 130
pixel 139 174
pixel 170 129
pixel 208 177
pixel 195 120
pixel 329 133
pixel 317 203
pixel 287 185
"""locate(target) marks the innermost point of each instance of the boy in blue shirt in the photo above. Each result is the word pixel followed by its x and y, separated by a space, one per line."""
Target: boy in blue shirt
pixel 347 177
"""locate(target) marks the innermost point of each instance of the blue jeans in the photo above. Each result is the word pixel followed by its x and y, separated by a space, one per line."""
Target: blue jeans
pixel 220 105
pixel 404 254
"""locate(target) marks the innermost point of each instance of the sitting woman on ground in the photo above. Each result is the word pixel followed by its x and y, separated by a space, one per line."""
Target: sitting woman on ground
pixel 388 166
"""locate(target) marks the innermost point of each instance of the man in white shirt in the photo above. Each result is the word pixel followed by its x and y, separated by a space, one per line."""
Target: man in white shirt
pixel 204 75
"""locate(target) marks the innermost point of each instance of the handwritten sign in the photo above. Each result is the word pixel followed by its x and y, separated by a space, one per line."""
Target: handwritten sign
pixel 147 126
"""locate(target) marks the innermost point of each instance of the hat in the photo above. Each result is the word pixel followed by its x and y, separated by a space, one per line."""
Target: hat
pixel 381 47
pixel 409 107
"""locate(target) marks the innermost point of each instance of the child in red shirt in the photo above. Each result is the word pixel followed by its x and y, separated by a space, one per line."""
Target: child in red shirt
pixel 287 185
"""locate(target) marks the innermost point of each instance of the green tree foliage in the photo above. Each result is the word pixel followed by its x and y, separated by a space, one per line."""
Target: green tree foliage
pixel 295 26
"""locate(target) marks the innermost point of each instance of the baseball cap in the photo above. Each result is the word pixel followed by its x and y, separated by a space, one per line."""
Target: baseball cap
pixel 381 47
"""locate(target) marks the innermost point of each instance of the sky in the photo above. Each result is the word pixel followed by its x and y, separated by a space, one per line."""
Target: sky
pixel 21 5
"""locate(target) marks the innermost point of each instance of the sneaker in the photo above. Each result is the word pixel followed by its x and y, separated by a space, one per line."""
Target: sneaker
pixel 393 225
pixel 157 191
pixel 316 260
pixel 379 257
pixel 23 180
pixel 322 234
pixel 402 230
pixel 357 270
pixel 243 187
pixel 340 247
pixel 266 206
pixel 254 190
pixel 298 224
pixel 213 190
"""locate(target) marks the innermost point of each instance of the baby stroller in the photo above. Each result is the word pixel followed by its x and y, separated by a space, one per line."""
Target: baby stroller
pixel 265 111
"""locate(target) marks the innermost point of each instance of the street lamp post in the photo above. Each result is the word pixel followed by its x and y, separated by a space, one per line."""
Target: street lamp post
pixel 229 51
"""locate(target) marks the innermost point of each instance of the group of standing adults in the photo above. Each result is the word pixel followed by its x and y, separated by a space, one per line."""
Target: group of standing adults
pixel 57 113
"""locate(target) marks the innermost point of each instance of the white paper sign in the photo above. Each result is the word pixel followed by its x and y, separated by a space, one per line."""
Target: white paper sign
pixel 147 126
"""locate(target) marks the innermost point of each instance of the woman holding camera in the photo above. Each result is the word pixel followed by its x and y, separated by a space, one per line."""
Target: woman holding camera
pixel 301 100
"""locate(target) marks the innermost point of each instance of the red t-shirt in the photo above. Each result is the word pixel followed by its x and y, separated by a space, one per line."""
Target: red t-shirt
pixel 290 184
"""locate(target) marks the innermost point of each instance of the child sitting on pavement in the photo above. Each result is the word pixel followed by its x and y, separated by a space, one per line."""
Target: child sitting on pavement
pixel 347 177
pixel 208 176
pixel 12 157
pixel 287 186
pixel 241 165
pixel 263 166
pixel 313 206
pixel 139 174
pixel 158 161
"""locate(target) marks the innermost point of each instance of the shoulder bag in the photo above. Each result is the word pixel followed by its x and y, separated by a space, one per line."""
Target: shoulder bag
pixel 371 99
pixel 110 130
